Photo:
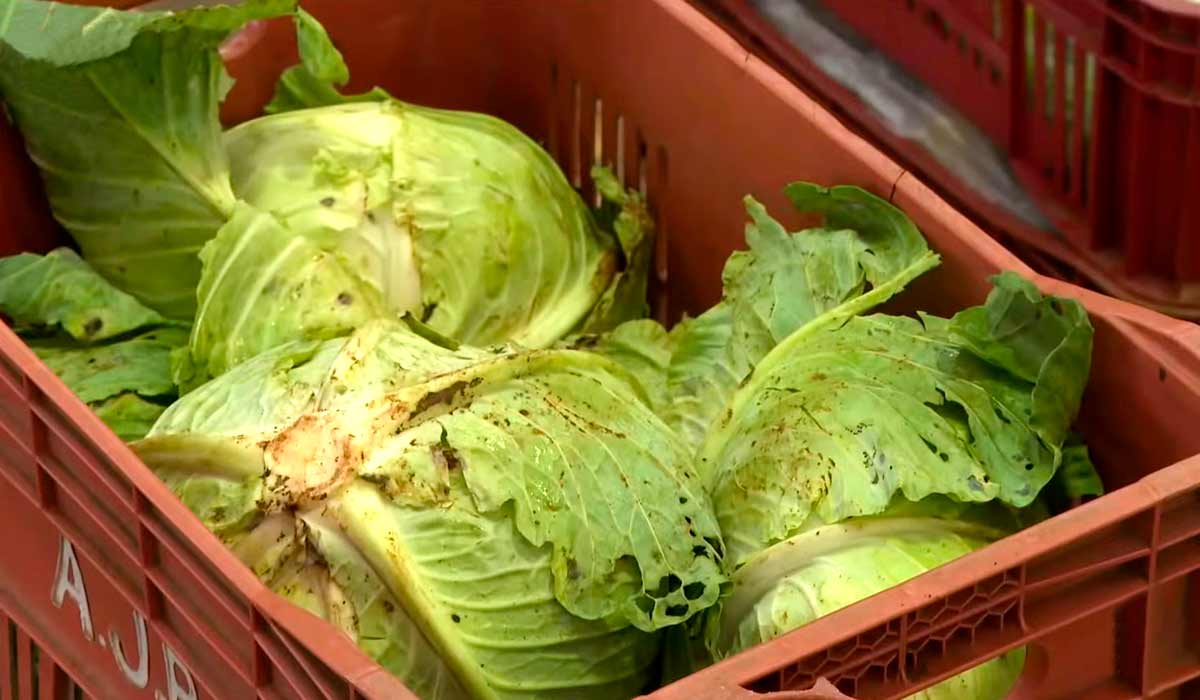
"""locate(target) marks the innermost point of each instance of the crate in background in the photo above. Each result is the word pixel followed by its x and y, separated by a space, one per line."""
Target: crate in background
pixel 1095 102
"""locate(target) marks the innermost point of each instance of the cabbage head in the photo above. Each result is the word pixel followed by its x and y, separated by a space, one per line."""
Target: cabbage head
pixel 503 523
pixel 847 453
pixel 454 216
pixel 825 568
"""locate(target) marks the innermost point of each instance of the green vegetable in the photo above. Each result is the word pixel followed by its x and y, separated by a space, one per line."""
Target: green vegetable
pixel 521 513
pixel 829 567
pixel 59 291
pixel 119 112
pixel 114 353
pixel 1075 481
pixel 702 372
pixel 845 454
pixel 837 420
pixel 454 216
pixel 262 286
pixel 623 211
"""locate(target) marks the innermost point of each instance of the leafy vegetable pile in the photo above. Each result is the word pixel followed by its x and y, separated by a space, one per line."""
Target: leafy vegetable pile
pixel 393 360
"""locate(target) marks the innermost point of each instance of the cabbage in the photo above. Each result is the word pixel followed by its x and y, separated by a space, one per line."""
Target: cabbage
pixel 643 348
pixel 823 569
pixel 485 523
pixel 454 216
pixel 846 453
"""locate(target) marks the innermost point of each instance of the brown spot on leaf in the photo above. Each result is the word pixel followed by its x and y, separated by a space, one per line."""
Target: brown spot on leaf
pixel 444 396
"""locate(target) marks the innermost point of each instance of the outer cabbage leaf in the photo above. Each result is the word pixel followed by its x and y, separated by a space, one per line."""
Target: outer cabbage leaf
pixel 335 581
pixel 1041 341
pixel 59 291
pixel 643 347
pixel 119 112
pixel 261 287
pixel 126 382
pixel 530 518
pixel 128 415
pixel 837 421
pixel 315 81
pixel 818 277
pixel 702 374
pixel 111 351
pixel 1075 481
pixel 866 253
pixel 827 568
pixel 141 364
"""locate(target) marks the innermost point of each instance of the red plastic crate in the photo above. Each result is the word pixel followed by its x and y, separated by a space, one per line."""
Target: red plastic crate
pixel 665 95
pixel 1096 102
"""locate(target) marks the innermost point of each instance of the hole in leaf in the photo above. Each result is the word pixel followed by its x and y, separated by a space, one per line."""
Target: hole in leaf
pixel 693 591
pixel 666 585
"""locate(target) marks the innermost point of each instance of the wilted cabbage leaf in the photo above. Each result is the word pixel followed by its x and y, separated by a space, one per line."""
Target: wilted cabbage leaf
pixel 624 212
pixel 1076 480
pixel 838 420
pixel 119 112
pixel 111 351
pixel 520 513
pixel 60 292
pixel 865 253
